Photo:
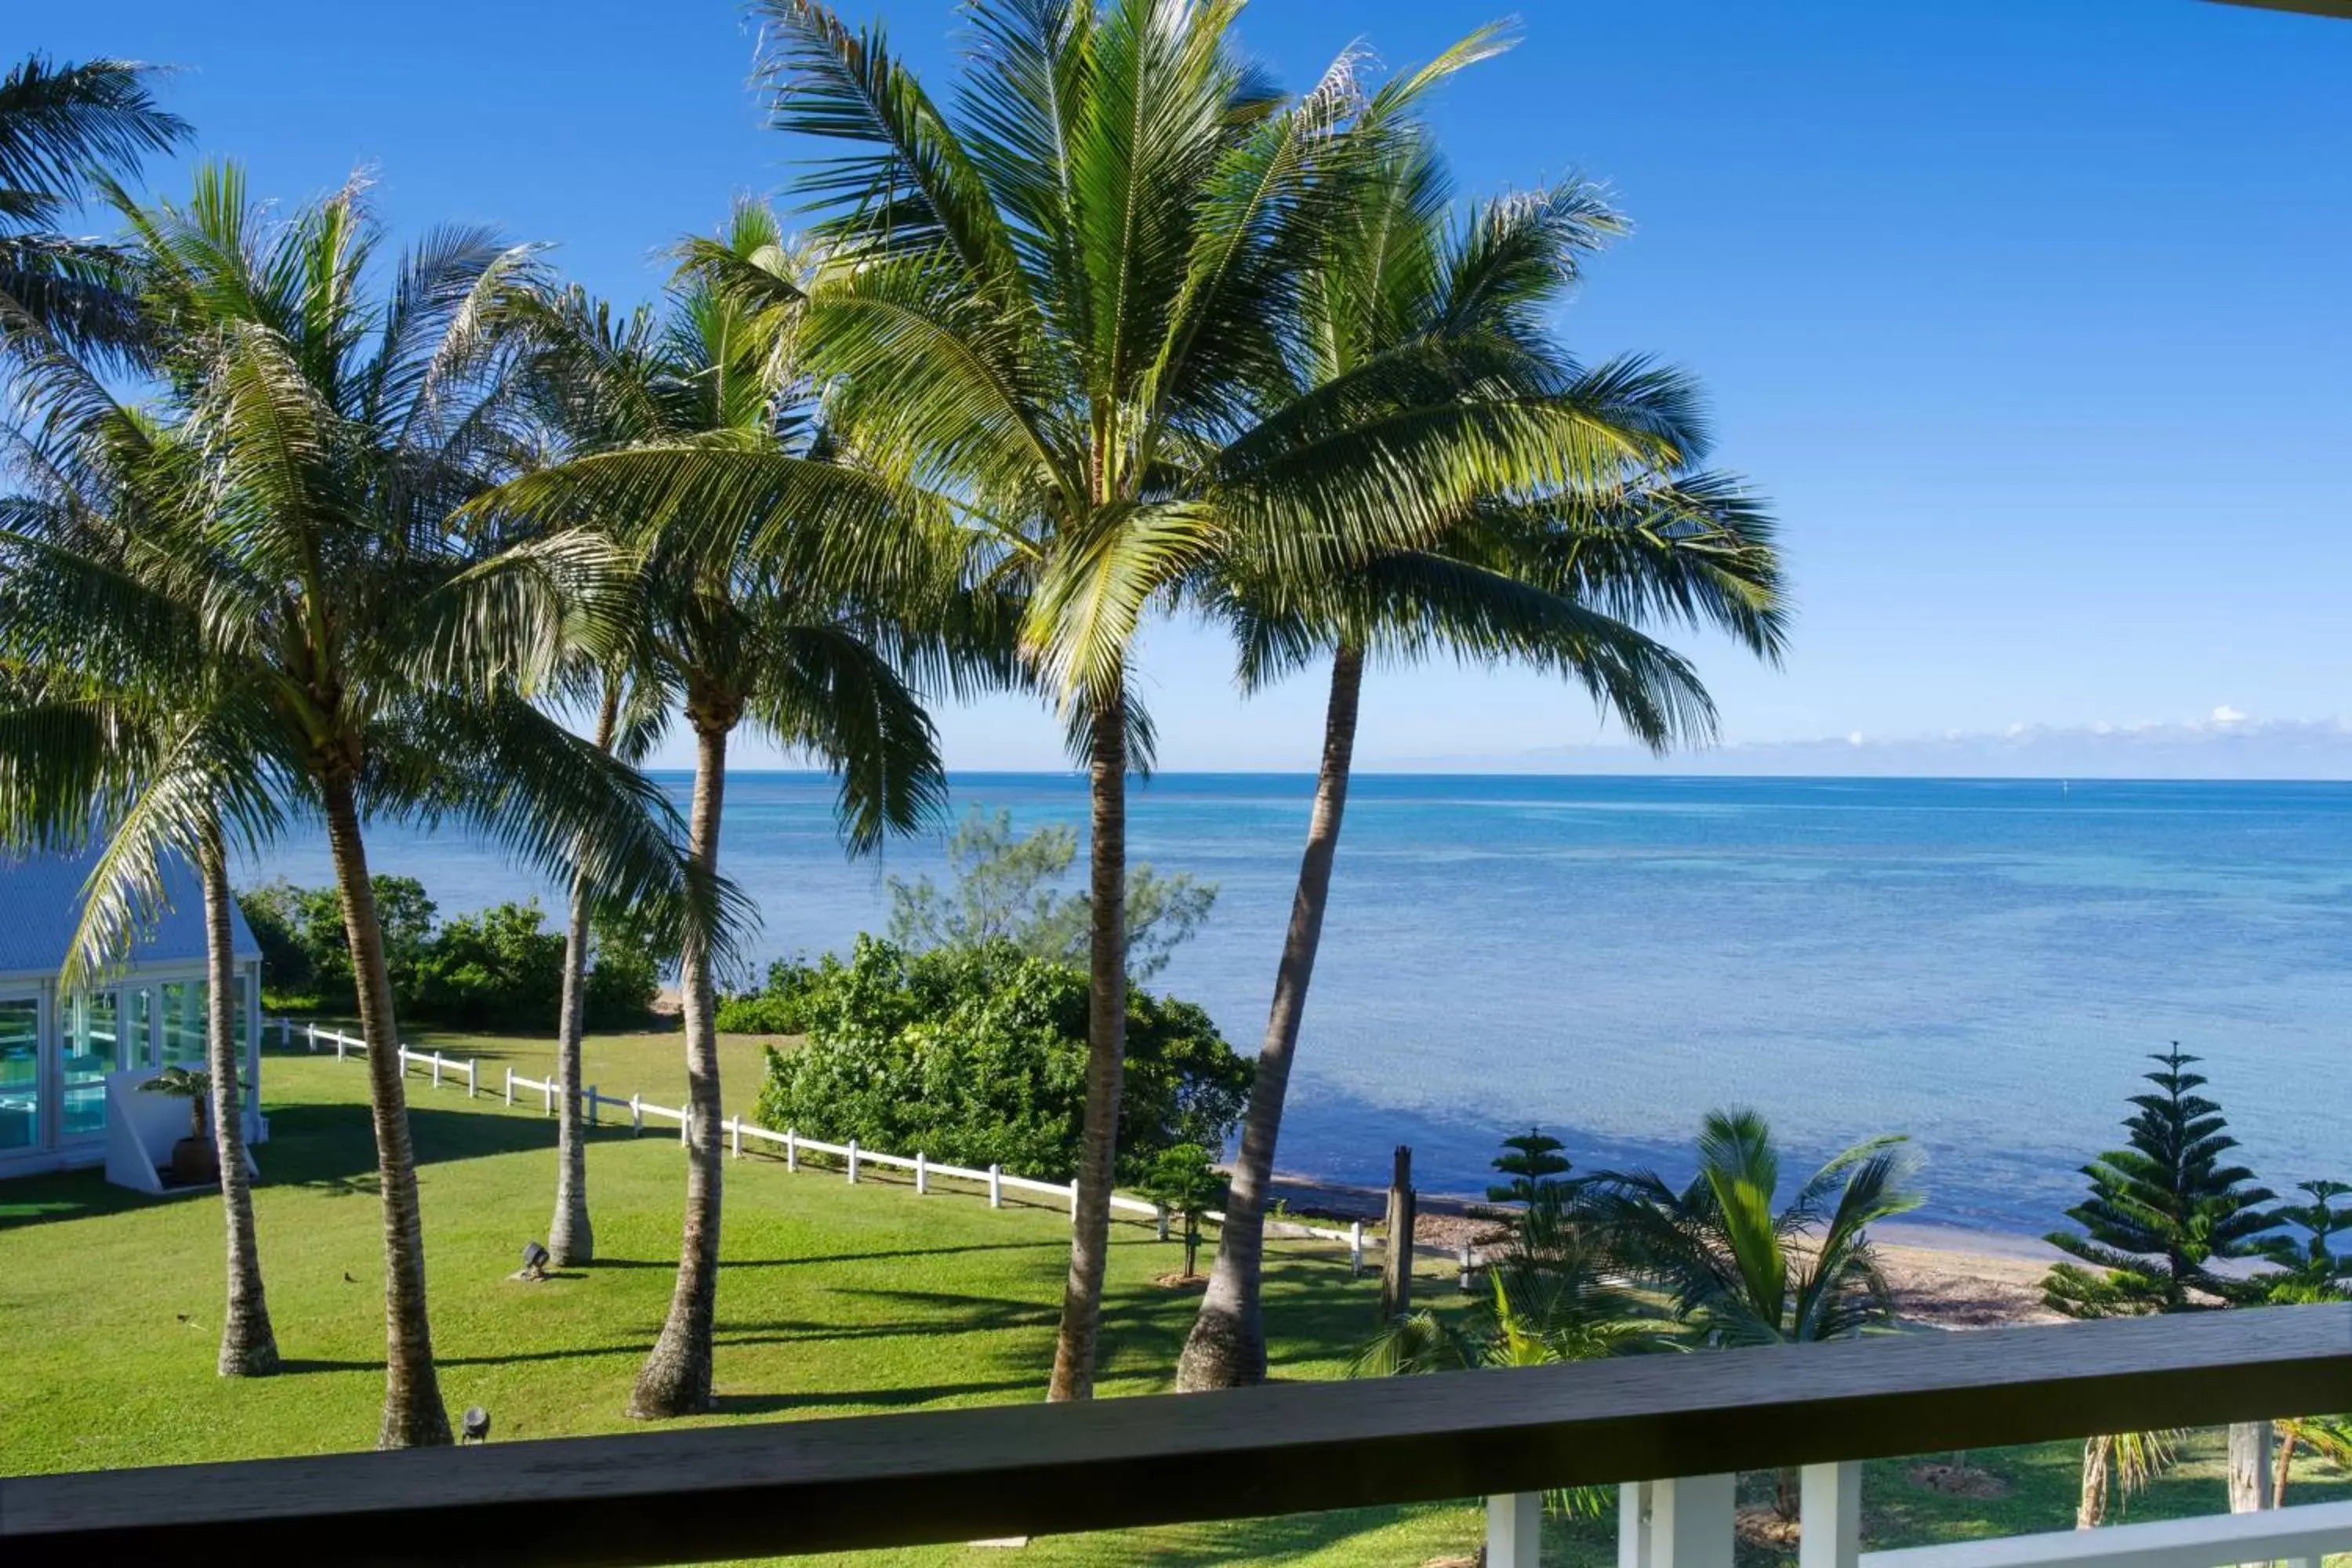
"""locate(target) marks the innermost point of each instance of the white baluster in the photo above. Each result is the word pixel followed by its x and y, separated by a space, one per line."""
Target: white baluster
pixel 1830 1512
pixel 1514 1531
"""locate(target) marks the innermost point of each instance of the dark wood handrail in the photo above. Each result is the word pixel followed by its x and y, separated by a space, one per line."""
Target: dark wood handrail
pixel 888 1480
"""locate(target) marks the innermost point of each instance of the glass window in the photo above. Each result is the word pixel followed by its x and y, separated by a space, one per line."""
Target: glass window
pixel 179 1024
pixel 138 1010
pixel 20 1073
pixel 94 1048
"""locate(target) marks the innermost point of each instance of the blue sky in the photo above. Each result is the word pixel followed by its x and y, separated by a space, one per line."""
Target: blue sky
pixel 2029 315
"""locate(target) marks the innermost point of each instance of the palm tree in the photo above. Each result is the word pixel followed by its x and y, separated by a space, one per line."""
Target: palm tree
pixel 65 129
pixel 1741 1272
pixel 93 747
pixel 1065 317
pixel 371 652
pixel 739 628
pixel 1558 581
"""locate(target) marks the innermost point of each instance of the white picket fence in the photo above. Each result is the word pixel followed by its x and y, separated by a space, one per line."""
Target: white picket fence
pixel 448 1071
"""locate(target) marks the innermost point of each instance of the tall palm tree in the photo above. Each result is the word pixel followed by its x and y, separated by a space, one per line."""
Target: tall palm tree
pixel 741 627
pixel 1065 316
pixel 65 126
pixel 372 652
pixel 127 753
pixel 1561 581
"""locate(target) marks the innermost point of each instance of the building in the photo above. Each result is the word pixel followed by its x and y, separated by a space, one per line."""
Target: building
pixel 59 1050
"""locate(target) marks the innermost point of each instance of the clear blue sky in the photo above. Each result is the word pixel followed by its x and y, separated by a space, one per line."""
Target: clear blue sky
pixel 2030 315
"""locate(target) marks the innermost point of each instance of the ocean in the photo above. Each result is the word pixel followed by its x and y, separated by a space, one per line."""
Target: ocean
pixel 1981 964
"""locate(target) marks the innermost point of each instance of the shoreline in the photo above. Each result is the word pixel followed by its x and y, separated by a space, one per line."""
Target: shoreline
pixel 1942 1275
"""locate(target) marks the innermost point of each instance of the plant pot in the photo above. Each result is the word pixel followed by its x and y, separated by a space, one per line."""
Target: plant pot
pixel 195 1162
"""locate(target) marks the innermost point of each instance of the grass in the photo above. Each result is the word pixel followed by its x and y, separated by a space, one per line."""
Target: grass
pixel 835 1300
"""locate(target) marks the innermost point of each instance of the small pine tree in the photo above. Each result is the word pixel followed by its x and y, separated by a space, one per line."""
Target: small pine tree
pixel 2162 1211
pixel 2317 1270
pixel 1534 1162
pixel 1186 1182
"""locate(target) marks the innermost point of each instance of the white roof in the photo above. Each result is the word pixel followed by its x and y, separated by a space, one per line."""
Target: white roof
pixel 41 902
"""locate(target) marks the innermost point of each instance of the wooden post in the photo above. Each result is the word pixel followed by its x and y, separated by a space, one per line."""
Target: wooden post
pixel 637 1113
pixel 592 1105
pixel 685 1127
pixel 339 1044
pixel 1396 1270
pixel 509 1085
pixel 853 1161
pixel 995 1186
pixel 310 1033
pixel 791 1150
pixel 473 1076
pixel 286 1036
pixel 1514 1531
pixel 1356 1249
pixel 1074 1201
pixel 922 1175
pixel 546 1096
pixel 437 1070
pixel 1830 1512
pixel 735 1136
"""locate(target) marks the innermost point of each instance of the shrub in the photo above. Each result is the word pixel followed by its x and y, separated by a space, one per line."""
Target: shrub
pixel 977 1057
pixel 500 969
pixel 305 952
pixel 779 1008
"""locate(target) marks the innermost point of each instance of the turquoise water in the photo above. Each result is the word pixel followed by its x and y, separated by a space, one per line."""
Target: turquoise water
pixel 1978 964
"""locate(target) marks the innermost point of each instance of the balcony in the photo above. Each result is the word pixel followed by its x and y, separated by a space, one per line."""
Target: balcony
pixel 1670 1430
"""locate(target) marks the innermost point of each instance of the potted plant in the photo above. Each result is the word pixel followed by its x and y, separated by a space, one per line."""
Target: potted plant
pixel 195 1161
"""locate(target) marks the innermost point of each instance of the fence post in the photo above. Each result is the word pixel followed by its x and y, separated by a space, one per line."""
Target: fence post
pixel 592 1097
pixel 853 1161
pixel 996 1185
pixel 1159 1217
pixel 1074 1203
pixel 791 1150
pixel 1830 1509
pixel 285 1035
pixel 922 1175
pixel 1514 1531
pixel 509 1085
pixel 473 1076
pixel 637 1113
pixel 685 1126
pixel 437 1070
pixel 1356 1250
pixel 1396 1267
pixel 339 1044
pixel 1465 1267
pixel 546 1096
pixel 735 1136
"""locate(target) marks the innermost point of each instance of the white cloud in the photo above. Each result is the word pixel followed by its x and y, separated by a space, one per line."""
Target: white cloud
pixel 2225 714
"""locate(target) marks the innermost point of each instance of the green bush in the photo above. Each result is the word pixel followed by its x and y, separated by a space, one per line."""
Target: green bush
pixel 978 1056
pixel 502 968
pixel 781 1008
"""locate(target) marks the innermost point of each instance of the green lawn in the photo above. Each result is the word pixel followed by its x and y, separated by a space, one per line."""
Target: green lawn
pixel 650 1062
pixel 835 1300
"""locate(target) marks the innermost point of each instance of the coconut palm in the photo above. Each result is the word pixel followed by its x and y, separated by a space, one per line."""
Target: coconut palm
pixel 367 651
pixel 91 741
pixel 65 126
pixel 1065 316
pixel 1561 581
pixel 742 626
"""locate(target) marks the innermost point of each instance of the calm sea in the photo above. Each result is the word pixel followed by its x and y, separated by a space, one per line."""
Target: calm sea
pixel 1981 964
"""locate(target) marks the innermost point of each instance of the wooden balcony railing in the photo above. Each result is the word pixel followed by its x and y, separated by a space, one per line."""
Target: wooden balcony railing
pixel 678 1496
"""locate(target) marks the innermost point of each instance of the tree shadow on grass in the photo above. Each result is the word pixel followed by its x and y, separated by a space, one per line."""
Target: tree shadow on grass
pixel 866 1398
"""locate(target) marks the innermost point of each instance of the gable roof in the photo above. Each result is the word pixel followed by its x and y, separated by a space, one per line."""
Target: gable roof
pixel 40 901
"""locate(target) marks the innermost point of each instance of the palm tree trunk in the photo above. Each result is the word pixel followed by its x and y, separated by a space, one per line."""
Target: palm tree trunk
pixel 2091 1510
pixel 2290 1434
pixel 1227 1346
pixel 413 1415
pixel 570 1238
pixel 248 1345
pixel 2250 1464
pixel 676 1378
pixel 1073 1348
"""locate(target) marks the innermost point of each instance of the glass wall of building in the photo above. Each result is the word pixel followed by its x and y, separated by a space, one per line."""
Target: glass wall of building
pixel 179 1024
pixel 94 1046
pixel 20 1073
